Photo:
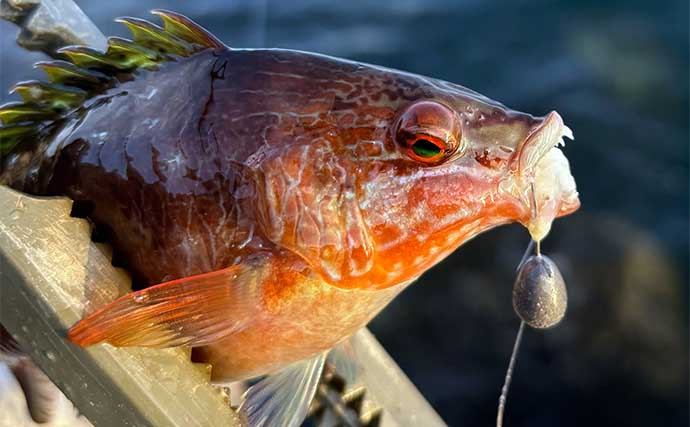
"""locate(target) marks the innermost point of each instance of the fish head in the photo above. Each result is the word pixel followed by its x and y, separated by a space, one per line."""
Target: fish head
pixel 454 164
pixel 393 171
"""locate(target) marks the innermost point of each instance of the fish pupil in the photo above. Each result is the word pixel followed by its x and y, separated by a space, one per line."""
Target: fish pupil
pixel 425 148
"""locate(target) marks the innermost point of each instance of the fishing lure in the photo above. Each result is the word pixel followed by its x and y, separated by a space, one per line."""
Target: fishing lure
pixel 270 202
pixel 540 300
pixel 539 295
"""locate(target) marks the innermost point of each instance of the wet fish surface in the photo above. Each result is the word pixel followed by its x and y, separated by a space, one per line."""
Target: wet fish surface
pixel 271 202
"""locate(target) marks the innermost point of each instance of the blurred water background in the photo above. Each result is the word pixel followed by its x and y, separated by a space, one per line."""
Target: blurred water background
pixel 617 71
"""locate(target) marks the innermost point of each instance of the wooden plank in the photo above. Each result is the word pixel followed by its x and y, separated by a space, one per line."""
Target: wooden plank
pixel 50 275
pixel 386 387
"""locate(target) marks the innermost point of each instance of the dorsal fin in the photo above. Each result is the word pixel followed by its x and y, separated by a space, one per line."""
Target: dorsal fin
pixel 186 29
pixel 86 72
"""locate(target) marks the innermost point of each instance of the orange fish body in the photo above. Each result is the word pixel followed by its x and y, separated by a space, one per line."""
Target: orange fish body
pixel 280 198
pixel 296 319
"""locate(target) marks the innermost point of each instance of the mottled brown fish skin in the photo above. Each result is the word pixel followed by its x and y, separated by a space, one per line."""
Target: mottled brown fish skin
pixel 164 157
pixel 231 156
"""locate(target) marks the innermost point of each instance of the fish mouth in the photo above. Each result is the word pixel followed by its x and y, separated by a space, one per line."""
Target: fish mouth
pixel 547 187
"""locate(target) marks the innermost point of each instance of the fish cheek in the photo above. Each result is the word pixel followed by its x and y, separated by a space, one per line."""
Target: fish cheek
pixel 314 213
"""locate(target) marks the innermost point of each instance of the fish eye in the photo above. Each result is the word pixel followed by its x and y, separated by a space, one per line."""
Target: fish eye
pixel 427 148
pixel 428 132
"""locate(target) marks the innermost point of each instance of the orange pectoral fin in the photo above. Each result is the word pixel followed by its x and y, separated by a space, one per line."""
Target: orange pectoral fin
pixel 192 311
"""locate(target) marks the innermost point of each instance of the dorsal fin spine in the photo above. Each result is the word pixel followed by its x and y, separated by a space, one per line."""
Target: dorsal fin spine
pixel 56 96
pixel 186 29
pixel 86 57
pixel 156 38
pixel 66 73
pixel 133 55
pixel 18 112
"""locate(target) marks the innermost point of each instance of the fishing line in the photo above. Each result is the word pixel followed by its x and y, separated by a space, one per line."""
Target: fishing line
pixel 530 246
pixel 518 338
pixel 516 348
pixel 509 376
pixel 534 213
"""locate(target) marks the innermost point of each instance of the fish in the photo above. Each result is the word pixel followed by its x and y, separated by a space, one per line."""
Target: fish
pixel 270 202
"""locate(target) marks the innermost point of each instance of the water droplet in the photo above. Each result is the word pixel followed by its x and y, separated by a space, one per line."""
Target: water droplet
pixel 140 298
pixel 50 356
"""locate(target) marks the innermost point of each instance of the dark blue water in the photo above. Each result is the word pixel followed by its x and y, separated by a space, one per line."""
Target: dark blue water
pixel 617 71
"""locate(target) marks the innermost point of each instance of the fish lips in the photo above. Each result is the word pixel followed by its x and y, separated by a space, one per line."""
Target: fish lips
pixel 543 137
pixel 546 186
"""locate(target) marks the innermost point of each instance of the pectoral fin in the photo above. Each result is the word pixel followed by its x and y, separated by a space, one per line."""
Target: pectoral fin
pixel 283 399
pixel 344 359
pixel 192 311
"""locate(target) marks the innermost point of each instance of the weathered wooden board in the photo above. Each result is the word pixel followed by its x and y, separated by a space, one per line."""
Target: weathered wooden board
pixel 50 275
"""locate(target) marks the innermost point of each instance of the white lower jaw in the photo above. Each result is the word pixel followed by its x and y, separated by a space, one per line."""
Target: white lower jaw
pixel 554 189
